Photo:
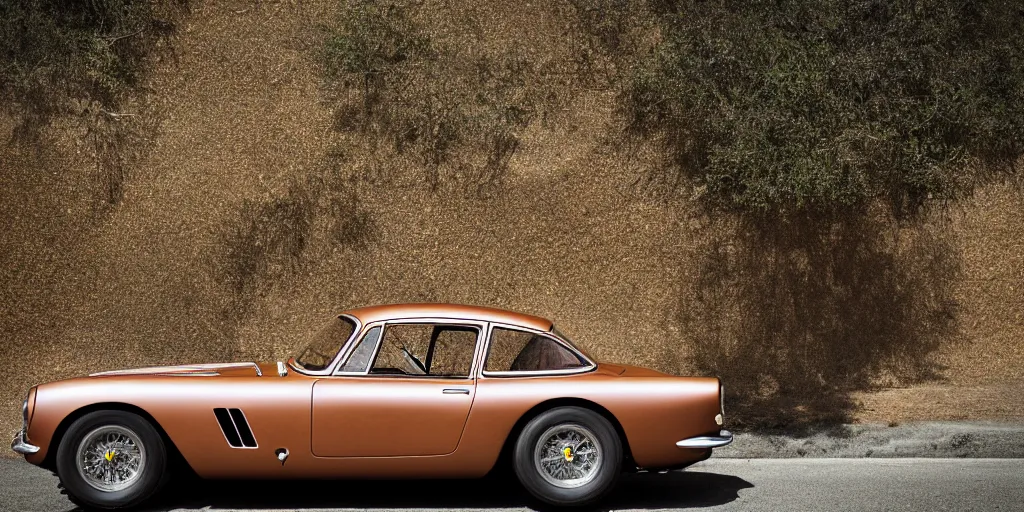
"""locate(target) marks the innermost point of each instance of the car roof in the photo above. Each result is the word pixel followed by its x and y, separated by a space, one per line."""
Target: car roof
pixel 455 311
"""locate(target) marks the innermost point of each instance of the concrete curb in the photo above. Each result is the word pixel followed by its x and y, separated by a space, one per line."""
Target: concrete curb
pixel 920 439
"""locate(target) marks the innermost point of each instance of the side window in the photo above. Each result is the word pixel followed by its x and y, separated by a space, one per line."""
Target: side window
pixel 521 351
pixel 452 354
pixel 359 358
pixel 426 349
pixel 403 350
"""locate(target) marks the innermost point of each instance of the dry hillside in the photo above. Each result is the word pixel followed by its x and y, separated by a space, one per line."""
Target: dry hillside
pixel 250 217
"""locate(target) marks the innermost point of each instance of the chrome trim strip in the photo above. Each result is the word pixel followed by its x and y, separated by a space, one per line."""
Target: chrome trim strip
pixel 19 445
pixel 480 357
pixel 723 438
pixel 171 369
pixel 188 374
pixel 534 373
pixel 537 373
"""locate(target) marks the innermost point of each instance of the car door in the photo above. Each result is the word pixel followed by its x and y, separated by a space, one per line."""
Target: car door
pixel 405 389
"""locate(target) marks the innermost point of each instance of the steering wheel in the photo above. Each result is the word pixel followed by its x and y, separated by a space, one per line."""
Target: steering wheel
pixel 415 363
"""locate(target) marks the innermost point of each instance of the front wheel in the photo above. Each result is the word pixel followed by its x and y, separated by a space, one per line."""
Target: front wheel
pixel 110 460
pixel 568 456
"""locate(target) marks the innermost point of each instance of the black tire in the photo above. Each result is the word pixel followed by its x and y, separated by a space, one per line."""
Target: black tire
pixel 575 421
pixel 151 477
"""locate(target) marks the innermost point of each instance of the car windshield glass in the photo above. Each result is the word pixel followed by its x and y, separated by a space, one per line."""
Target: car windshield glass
pixel 321 350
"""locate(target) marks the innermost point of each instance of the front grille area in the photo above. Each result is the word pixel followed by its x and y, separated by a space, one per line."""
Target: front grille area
pixel 235 428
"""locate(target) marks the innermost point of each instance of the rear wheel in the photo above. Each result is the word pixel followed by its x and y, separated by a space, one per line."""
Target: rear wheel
pixel 568 456
pixel 111 459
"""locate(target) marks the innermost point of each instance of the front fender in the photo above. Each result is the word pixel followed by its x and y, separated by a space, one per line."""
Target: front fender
pixel 277 408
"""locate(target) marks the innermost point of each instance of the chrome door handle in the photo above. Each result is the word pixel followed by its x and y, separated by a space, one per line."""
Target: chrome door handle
pixel 454 391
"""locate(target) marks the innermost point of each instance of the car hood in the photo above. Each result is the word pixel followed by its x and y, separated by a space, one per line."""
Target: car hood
pixel 245 369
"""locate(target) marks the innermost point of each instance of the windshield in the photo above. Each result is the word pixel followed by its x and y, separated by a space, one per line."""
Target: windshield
pixel 321 350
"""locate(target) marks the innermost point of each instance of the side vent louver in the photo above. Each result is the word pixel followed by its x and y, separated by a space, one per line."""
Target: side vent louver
pixel 235 427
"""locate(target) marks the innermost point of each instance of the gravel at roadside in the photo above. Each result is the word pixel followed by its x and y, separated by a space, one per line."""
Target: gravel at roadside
pixel 923 439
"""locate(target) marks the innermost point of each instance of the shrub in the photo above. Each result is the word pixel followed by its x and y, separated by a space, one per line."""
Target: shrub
pixel 81 61
pixel 458 113
pixel 53 52
pixel 271 239
pixel 795 104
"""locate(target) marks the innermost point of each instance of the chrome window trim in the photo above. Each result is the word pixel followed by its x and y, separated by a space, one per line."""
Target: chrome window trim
pixel 590 366
pixel 352 346
pixel 341 351
pixel 479 325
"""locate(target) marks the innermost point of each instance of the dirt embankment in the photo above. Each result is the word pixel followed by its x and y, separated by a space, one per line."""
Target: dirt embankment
pixel 235 239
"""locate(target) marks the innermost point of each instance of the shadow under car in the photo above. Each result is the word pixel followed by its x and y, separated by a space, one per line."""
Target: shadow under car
pixel 676 489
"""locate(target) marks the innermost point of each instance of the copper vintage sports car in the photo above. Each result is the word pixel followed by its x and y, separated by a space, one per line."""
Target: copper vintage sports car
pixel 403 391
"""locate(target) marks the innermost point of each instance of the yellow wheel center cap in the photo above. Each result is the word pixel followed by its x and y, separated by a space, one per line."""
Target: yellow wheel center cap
pixel 109 455
pixel 567 452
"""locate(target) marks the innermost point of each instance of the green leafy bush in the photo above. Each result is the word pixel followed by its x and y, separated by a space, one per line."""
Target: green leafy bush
pixel 794 104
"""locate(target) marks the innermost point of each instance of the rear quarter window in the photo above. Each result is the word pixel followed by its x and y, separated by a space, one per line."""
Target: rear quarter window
pixel 513 350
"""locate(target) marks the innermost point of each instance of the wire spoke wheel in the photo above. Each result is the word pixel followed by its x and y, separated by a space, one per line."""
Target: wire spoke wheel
pixel 568 455
pixel 111 458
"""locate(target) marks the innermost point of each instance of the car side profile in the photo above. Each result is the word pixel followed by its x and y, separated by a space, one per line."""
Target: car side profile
pixel 389 392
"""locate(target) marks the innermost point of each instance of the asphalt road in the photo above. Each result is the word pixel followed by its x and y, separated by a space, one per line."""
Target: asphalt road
pixel 722 484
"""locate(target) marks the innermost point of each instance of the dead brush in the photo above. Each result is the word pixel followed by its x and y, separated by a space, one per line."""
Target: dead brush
pixel 445 106
pixel 798 314
pixel 272 240
pixel 82 62
pixel 268 240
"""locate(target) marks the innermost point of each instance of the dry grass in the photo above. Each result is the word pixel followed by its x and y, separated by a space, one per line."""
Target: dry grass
pixel 807 310
pixel 249 220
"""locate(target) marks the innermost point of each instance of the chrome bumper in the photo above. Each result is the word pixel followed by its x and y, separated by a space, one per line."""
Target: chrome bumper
pixel 723 438
pixel 20 446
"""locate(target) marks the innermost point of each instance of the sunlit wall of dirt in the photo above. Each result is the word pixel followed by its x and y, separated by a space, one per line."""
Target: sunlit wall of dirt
pixel 250 219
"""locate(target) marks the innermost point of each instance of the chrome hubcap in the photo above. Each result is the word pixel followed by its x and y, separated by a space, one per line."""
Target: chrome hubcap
pixel 568 455
pixel 111 458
